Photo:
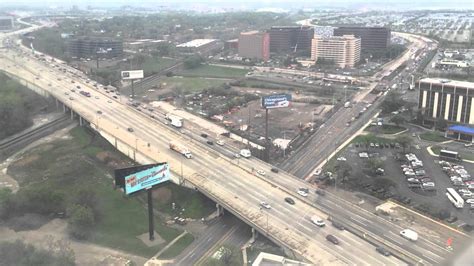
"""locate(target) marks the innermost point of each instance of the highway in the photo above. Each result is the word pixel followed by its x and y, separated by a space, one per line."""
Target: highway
pixel 230 181
pixel 318 148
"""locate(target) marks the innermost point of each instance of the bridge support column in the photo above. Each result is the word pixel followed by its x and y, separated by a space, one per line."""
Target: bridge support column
pixel 64 108
pixel 81 122
pixel 220 210
pixel 57 104
pixel 72 114
pixel 254 235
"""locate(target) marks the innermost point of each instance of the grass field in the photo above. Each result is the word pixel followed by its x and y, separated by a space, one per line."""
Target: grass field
pixel 192 84
pixel 433 136
pixel 215 71
pixel 68 166
pixel 177 247
pixel 370 138
pixel 385 129
pixel 154 65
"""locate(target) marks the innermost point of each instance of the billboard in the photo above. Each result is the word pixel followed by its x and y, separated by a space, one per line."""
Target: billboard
pixel 132 74
pixel 135 179
pixel 276 101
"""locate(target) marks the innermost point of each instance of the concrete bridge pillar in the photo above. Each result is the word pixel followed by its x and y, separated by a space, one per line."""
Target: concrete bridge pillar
pixel 72 114
pixel 81 122
pixel 64 108
pixel 254 235
pixel 57 104
pixel 220 210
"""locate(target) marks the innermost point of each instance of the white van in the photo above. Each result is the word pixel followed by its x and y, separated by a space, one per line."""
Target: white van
pixel 317 221
pixel 245 153
pixel 409 234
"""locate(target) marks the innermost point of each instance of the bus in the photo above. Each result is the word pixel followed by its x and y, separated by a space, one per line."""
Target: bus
pixel 454 197
pixel 453 155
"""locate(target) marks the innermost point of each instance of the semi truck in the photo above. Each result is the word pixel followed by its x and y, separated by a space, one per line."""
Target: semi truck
pixel 181 149
pixel 176 121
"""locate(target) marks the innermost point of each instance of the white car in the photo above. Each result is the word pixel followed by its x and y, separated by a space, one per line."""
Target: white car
pixel 220 142
pixel 261 172
pixel 302 193
pixel 317 221
pixel 470 201
pixel 341 159
pixel 265 205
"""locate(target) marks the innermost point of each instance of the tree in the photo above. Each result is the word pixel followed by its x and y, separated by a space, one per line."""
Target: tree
pixel 398 120
pixel 5 201
pixel 20 253
pixel 405 141
pixel 81 221
pixel 193 61
pixel 343 170
pixel 440 124
pixel 373 164
pixel 392 103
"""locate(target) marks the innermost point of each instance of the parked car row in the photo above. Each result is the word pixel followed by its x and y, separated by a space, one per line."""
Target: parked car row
pixel 460 179
pixel 415 174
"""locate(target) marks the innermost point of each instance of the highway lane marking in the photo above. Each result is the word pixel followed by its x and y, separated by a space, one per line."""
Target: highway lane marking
pixel 354 219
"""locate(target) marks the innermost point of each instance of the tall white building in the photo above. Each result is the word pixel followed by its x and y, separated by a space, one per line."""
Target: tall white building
pixel 344 51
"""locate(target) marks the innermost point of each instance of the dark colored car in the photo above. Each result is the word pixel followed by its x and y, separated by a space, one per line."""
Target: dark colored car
pixel 210 142
pixel 332 239
pixel 338 225
pixel 275 170
pixel 204 135
pixel 382 251
pixel 290 200
pixel 130 129
pixel 320 192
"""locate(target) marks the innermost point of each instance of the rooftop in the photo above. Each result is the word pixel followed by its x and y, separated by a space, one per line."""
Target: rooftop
pixel 250 32
pixel 457 83
pixel 196 43
pixel 332 38
pixel 462 129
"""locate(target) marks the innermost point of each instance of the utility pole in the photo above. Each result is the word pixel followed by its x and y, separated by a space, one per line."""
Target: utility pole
pixel 267 145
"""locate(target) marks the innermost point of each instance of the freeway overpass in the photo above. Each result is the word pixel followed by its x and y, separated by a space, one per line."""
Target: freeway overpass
pixel 228 181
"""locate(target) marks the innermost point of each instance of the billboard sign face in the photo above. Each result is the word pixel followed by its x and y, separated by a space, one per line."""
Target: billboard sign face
pixel 147 178
pixel 132 74
pixel 276 101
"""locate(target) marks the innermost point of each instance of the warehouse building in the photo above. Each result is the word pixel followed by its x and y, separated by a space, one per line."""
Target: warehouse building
pixel 91 47
pixel 254 45
pixel 199 46
pixel 450 100
pixel 343 51
pixel 371 37
pixel 290 38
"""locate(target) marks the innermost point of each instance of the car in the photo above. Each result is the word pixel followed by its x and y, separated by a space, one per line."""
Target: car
pixel 73 90
pixel 237 155
pixel 70 98
pixel 290 200
pixel 220 142
pixel 66 93
pixel 260 172
pixel 97 97
pixel 320 192
pixel 99 112
pixel 382 251
pixel 109 101
pixel 265 205
pixel 332 239
pixel 337 225
pixel 115 97
pixel 302 193
pixel 470 201
pixel 341 158
pixel 274 170
pixel 204 135
pixel 210 142
pixel 130 129
pixel 317 221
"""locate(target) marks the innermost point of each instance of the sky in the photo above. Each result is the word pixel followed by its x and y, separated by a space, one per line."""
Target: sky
pixel 251 4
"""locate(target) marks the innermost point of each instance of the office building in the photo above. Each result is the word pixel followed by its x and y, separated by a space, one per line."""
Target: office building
pixel 449 100
pixel 371 37
pixel 254 45
pixel 6 23
pixel 343 51
pixel 91 47
pixel 290 38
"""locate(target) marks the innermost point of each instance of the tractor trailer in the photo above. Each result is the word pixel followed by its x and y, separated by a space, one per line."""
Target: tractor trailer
pixel 181 149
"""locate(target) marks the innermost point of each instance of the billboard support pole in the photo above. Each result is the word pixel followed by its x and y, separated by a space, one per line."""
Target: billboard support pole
pixel 151 226
pixel 267 152
pixel 133 91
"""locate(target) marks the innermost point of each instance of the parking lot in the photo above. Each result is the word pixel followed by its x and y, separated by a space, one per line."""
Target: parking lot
pixel 393 183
